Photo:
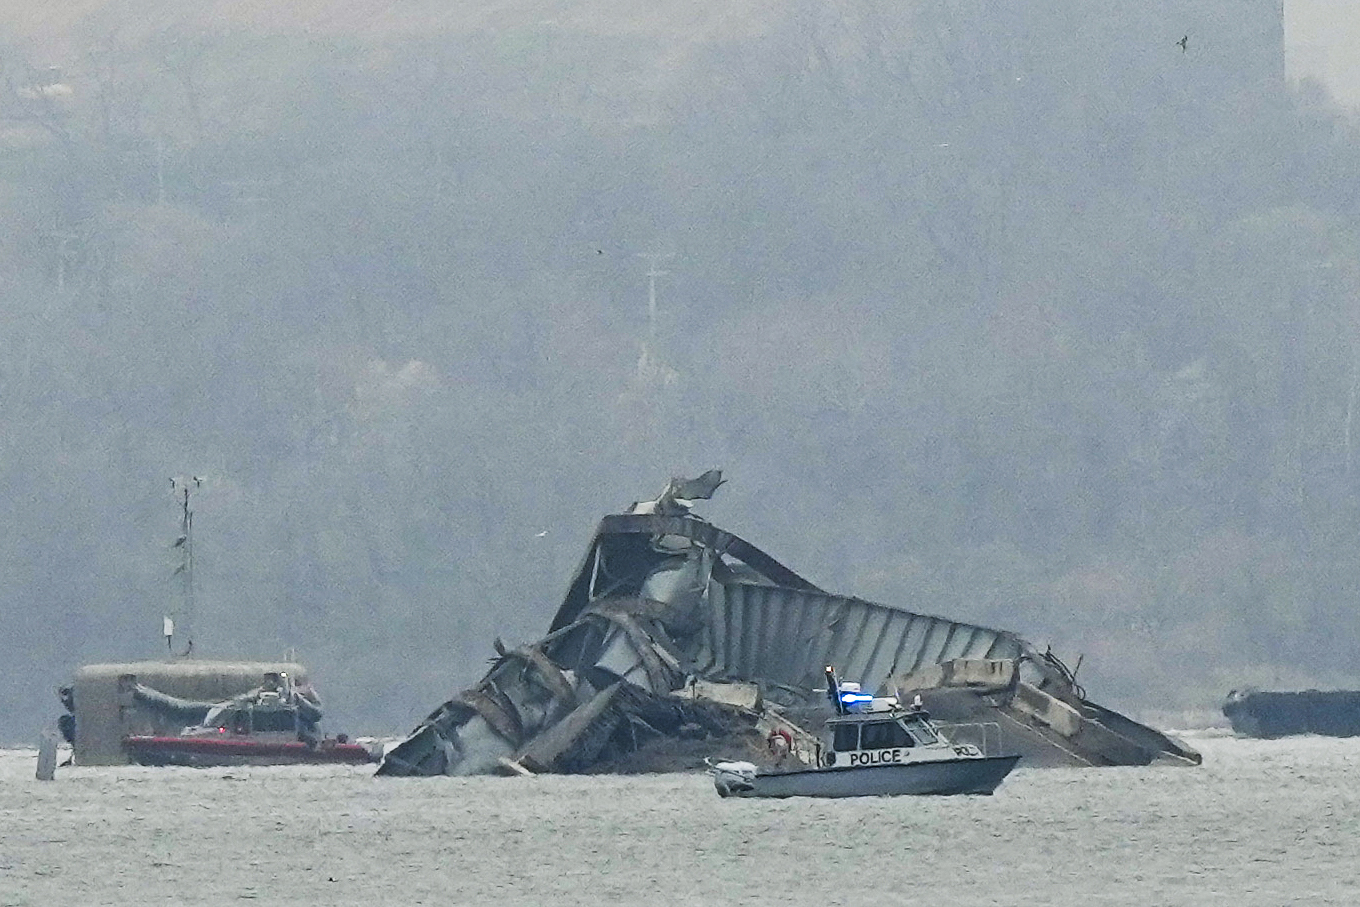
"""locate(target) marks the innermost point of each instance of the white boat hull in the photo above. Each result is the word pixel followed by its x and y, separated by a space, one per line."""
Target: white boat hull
pixel 942 777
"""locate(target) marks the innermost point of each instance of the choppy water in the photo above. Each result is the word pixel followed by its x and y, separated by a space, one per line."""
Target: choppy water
pixel 1261 823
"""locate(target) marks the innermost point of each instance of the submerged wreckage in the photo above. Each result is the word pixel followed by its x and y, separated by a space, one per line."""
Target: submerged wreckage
pixel 677 639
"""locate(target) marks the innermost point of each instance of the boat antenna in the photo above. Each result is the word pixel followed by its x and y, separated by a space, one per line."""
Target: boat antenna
pixel 833 690
pixel 184 542
pixel 649 345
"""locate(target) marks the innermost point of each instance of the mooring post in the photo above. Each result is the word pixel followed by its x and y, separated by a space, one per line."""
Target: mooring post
pixel 47 755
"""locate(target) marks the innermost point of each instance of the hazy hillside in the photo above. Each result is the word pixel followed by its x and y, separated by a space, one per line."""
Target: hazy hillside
pixel 1024 306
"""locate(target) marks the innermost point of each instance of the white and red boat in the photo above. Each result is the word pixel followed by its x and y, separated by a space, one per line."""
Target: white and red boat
pixel 275 724
pixel 230 749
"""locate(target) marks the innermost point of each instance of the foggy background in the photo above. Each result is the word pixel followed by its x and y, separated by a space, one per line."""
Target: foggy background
pixel 1018 304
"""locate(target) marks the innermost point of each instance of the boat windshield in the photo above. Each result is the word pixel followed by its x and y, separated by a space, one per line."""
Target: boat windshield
pixel 921 730
pixel 845 738
pixel 881 735
pixel 274 720
pixel 228 718
pixel 870 735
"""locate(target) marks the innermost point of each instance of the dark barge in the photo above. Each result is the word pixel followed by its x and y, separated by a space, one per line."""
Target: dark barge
pixel 1271 714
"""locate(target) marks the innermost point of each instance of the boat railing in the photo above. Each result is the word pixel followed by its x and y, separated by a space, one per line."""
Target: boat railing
pixel 985 735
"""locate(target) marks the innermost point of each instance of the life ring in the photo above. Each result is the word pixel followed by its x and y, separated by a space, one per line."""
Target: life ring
pixel 772 742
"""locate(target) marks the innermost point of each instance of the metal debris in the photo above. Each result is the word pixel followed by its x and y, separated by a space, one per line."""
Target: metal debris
pixel 674 630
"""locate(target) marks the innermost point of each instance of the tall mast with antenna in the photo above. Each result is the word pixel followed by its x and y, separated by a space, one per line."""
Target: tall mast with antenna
pixel 649 345
pixel 184 542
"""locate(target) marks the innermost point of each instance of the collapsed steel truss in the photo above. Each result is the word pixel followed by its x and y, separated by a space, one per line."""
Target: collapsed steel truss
pixel 664 600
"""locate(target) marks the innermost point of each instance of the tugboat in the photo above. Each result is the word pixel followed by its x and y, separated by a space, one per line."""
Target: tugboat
pixel 274 724
pixel 878 748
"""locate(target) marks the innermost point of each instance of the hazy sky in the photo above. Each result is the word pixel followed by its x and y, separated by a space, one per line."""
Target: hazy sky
pixel 1323 41
pixel 1001 314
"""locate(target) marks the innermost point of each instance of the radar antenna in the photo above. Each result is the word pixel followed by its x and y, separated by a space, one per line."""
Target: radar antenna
pixel 184 543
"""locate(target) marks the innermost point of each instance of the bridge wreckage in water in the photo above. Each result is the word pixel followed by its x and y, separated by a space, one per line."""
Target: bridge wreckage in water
pixel 674 632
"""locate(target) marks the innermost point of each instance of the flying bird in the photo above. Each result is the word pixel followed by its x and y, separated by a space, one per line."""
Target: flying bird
pixel 1183 42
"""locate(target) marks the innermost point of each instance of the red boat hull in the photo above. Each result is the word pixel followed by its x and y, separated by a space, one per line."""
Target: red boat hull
pixel 206 751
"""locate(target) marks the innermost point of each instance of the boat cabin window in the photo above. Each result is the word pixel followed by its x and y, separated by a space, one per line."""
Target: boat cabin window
pixel 879 735
pixel 922 731
pixel 845 738
pixel 240 721
pixel 274 720
pixel 235 720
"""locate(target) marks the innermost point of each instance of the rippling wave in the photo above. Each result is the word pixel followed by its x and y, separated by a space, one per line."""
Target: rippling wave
pixel 1260 824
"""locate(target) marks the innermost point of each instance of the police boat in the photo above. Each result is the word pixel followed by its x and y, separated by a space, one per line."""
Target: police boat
pixel 877 749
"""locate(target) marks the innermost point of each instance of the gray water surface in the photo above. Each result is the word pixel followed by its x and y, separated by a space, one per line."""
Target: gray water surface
pixel 1260 823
